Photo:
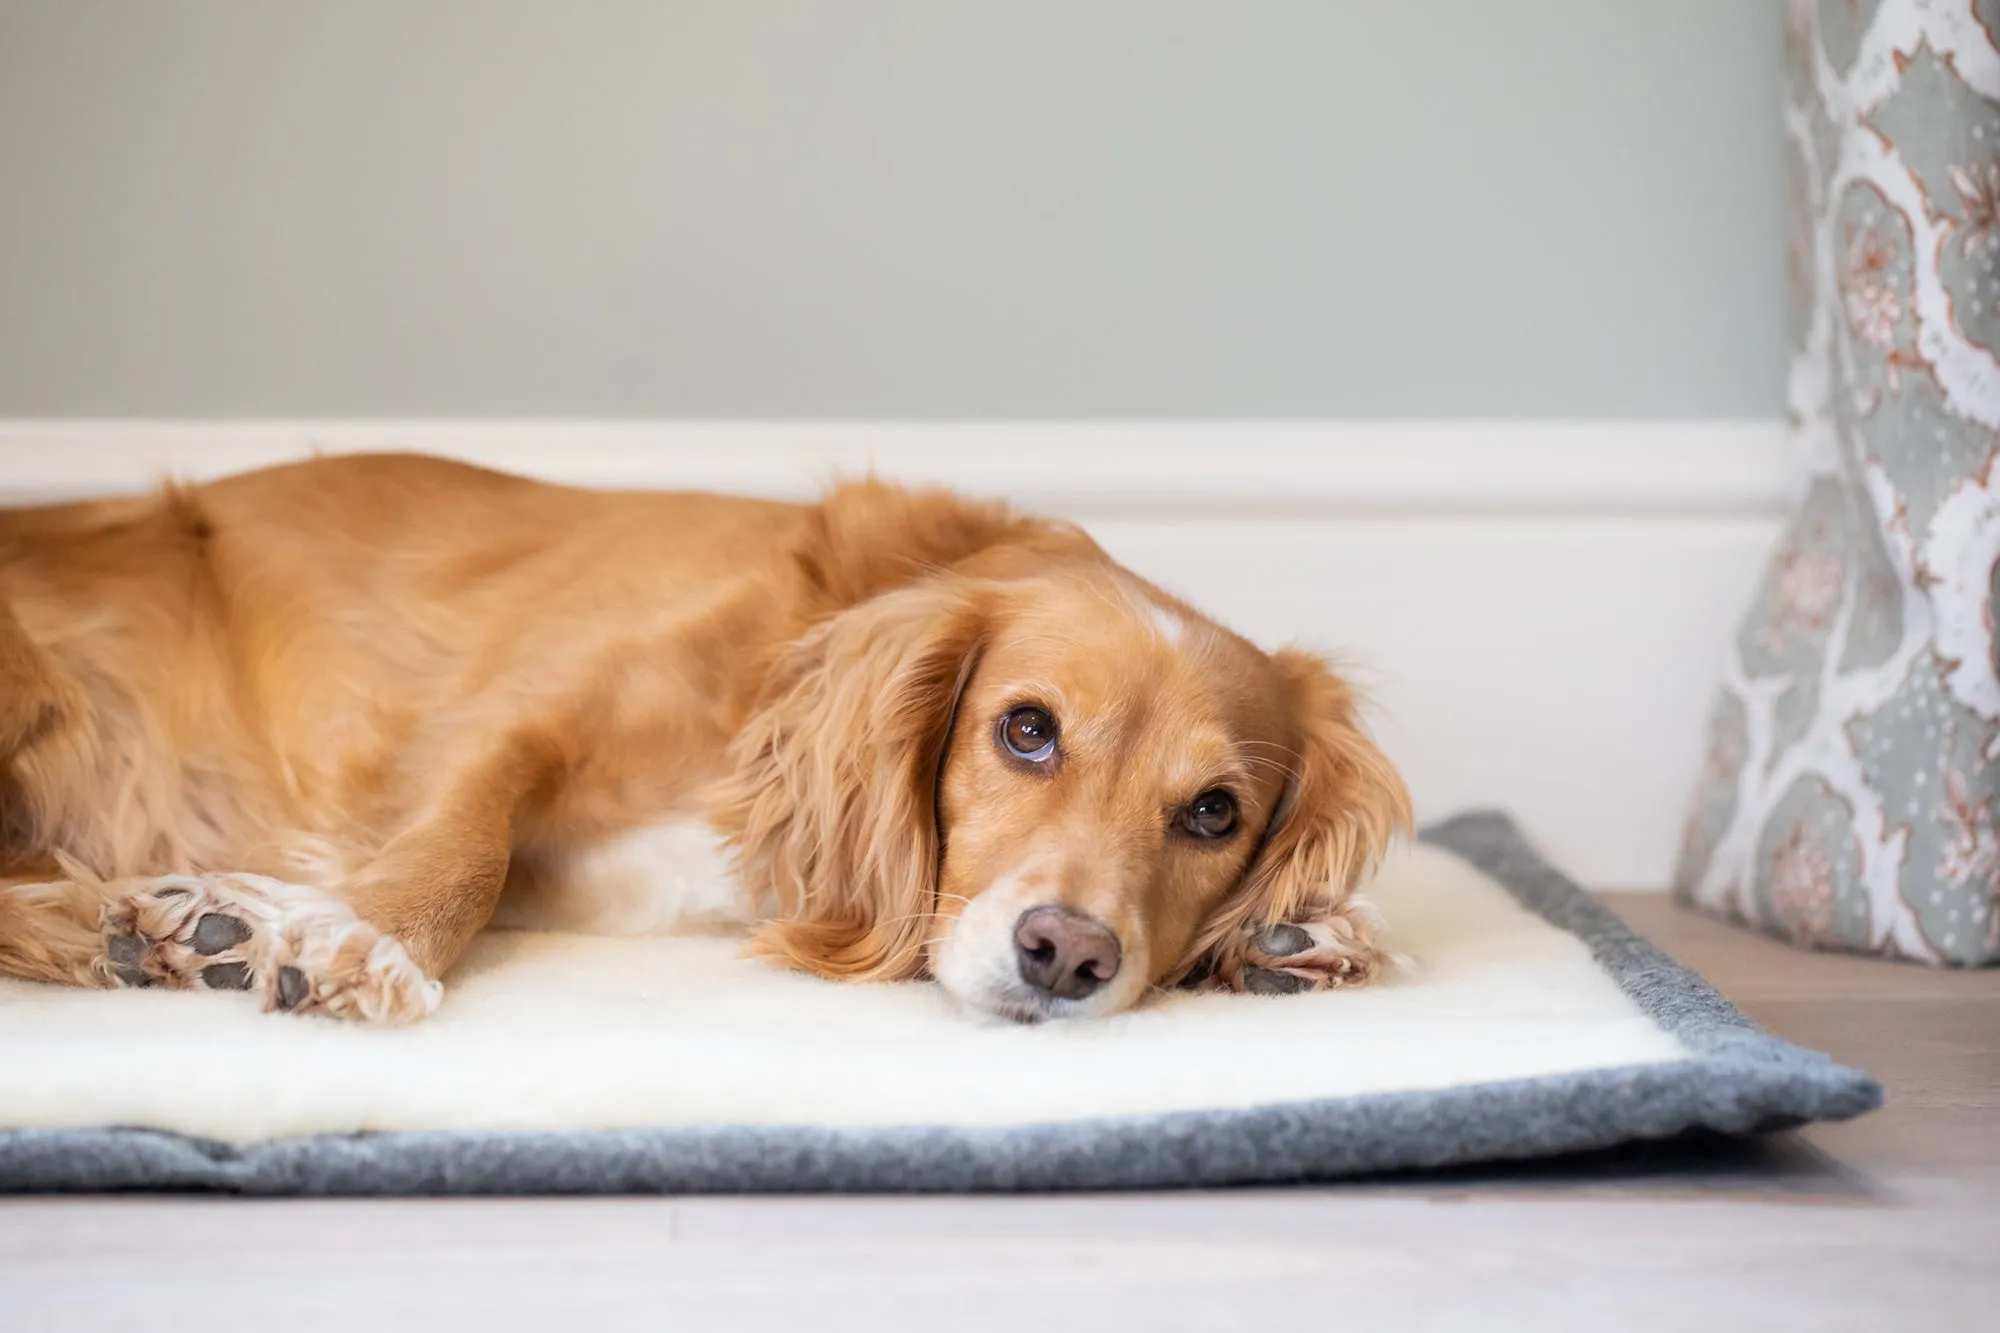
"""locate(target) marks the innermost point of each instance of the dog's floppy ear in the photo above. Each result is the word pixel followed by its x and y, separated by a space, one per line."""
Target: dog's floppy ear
pixel 1294 924
pixel 830 798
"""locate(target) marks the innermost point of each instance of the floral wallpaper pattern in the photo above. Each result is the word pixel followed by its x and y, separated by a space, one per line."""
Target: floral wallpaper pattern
pixel 1851 794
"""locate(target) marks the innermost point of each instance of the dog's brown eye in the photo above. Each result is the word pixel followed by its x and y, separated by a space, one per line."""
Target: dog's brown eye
pixel 1210 815
pixel 1029 733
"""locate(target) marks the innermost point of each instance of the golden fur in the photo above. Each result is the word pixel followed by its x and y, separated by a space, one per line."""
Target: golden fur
pixel 349 702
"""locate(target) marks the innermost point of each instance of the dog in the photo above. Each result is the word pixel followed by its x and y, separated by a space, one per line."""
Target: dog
pixel 304 731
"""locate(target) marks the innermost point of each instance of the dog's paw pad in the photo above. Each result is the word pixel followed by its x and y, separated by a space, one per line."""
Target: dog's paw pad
pixel 292 988
pixel 127 955
pixel 1284 939
pixel 215 932
pixel 226 976
pixel 125 951
pixel 1265 981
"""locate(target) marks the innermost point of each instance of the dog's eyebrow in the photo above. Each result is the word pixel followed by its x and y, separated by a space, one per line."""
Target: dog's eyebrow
pixel 1235 776
pixel 1192 777
pixel 1251 758
pixel 1043 692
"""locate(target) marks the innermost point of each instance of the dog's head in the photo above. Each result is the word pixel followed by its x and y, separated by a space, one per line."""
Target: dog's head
pixel 1050 786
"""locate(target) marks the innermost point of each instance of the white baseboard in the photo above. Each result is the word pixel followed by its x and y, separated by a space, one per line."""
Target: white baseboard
pixel 1538 608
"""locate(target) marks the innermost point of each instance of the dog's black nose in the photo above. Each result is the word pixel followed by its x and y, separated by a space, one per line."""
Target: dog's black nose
pixel 1064 953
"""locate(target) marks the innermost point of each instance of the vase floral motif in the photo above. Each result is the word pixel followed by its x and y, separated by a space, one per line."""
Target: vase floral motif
pixel 1851 794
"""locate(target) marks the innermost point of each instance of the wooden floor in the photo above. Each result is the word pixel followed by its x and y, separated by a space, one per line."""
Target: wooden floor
pixel 1888 1223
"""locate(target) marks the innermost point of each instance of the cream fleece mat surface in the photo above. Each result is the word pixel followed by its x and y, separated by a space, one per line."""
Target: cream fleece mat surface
pixel 1518 983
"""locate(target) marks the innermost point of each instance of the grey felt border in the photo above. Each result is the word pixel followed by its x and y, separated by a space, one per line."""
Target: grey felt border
pixel 1738 1080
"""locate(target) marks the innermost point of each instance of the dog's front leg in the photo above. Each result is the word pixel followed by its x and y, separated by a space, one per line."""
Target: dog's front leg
pixel 369 949
pixel 435 884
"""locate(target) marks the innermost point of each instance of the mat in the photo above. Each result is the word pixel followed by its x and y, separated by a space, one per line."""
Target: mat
pixel 1531 1022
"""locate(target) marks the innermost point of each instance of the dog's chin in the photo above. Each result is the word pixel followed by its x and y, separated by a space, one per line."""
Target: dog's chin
pixel 1024 1012
pixel 1020 1012
pixel 1017 1004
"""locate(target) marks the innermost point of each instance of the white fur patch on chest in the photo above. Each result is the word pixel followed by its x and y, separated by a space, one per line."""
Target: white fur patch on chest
pixel 659 879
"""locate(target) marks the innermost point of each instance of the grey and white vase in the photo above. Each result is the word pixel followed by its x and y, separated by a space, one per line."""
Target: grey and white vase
pixel 1851 794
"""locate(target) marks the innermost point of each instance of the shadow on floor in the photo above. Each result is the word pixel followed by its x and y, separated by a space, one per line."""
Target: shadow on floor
pixel 1781 1165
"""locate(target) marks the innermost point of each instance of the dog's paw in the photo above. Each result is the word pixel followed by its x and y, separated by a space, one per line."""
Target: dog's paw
pixel 345 970
pixel 1291 957
pixel 298 949
pixel 174 931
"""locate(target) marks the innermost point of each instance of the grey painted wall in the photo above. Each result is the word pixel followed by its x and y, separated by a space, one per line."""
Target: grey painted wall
pixel 1014 208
